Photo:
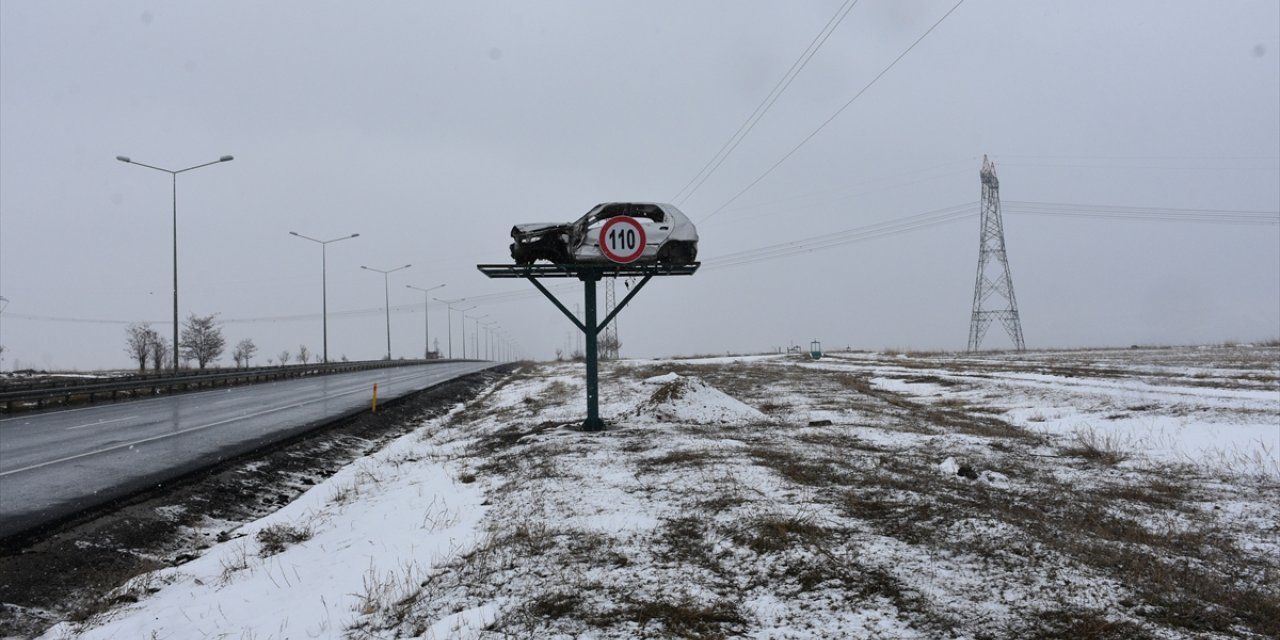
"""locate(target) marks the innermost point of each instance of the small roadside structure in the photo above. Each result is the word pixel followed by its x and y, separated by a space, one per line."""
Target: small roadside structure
pixel 815 350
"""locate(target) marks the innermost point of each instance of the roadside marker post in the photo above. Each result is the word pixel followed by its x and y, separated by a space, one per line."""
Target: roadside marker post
pixel 590 274
pixel 374 408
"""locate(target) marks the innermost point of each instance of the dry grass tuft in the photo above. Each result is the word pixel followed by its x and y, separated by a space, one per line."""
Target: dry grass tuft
pixel 1096 446
pixel 278 537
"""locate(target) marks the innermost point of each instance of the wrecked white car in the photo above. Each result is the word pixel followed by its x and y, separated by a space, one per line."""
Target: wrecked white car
pixel 670 235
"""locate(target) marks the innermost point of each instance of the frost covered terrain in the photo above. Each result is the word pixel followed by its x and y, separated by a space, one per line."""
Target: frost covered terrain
pixel 1090 494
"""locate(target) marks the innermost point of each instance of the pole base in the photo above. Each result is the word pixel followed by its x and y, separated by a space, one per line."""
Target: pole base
pixel 593 424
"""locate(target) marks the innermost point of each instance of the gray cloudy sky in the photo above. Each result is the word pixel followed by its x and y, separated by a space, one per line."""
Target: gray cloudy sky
pixel 431 127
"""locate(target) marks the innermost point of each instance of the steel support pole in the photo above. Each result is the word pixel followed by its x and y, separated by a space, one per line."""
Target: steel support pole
pixel 591 331
pixel 324 297
pixel 386 301
pixel 175 270
pixel 588 324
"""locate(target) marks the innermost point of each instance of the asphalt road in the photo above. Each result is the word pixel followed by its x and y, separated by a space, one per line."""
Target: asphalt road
pixel 56 464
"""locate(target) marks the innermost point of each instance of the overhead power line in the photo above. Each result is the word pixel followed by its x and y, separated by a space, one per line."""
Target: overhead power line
pixel 1168 214
pixel 828 121
pixel 841 238
pixel 790 248
pixel 970 209
pixel 750 123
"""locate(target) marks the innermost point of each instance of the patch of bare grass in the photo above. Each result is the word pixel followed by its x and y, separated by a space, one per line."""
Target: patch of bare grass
pixel 682 458
pixel 1097 446
pixel 682 617
pixel 1086 625
pixel 277 537
pixel 499 440
pixel 799 469
pixel 774 533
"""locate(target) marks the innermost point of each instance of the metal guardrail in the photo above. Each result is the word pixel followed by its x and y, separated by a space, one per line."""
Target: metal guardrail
pixel 44 393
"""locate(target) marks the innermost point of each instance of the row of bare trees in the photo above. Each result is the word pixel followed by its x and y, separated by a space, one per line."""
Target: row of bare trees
pixel 144 344
pixel 201 341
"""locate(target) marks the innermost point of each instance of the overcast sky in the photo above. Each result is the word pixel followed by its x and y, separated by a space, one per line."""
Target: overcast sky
pixel 430 128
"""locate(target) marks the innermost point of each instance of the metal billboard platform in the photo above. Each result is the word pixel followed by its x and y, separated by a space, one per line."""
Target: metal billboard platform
pixel 589 274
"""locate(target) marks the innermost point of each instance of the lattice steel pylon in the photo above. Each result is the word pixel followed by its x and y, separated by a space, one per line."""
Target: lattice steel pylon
pixel 994 279
pixel 610 342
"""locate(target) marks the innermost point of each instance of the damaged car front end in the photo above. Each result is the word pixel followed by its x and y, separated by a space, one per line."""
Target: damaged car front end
pixel 540 241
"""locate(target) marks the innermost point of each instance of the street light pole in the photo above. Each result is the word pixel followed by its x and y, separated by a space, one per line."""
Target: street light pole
pixel 463 313
pixel 324 282
pixel 476 334
pixel 449 304
pixel 488 339
pixel 386 294
pixel 426 334
pixel 174 174
pixel 4 302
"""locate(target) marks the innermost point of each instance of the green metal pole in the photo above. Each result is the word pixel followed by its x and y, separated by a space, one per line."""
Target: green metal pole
pixel 593 423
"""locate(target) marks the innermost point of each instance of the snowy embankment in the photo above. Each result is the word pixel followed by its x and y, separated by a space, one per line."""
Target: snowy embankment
pixel 865 495
pixel 311 569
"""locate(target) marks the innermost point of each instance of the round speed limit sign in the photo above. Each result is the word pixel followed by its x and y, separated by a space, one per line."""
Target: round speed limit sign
pixel 622 239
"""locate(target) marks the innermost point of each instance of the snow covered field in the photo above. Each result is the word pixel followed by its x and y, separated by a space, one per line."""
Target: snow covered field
pixel 1090 494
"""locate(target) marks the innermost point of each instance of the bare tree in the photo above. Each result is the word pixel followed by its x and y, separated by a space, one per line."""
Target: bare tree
pixel 304 354
pixel 284 357
pixel 201 339
pixel 244 351
pixel 160 349
pixel 138 339
pixel 609 346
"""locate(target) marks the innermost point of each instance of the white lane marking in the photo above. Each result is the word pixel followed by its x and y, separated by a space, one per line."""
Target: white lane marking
pixel 100 422
pixel 125 445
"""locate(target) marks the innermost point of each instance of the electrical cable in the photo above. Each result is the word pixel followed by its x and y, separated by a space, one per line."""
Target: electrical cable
pixel 828 121
pixel 832 240
pixel 841 238
pixel 761 109
pixel 1218 216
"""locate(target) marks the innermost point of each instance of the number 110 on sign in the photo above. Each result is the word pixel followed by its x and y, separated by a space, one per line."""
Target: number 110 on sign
pixel 622 239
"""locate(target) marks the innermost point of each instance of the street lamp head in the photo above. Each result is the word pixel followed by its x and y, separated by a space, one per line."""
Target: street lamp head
pixel 354 235
pixel 295 233
pixel 226 159
pixel 123 159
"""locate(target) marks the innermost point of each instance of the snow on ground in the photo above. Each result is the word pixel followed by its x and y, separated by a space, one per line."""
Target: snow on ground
pixel 1169 414
pixel 690 400
pixel 381 522
pixel 1130 494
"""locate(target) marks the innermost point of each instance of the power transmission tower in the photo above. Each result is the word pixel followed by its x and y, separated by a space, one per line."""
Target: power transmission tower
pixel 994 279
pixel 610 343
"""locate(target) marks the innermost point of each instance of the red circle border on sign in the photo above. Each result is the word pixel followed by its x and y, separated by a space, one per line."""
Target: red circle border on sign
pixel 604 247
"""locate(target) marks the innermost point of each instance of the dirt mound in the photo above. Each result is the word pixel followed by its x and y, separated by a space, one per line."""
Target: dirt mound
pixel 690 400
